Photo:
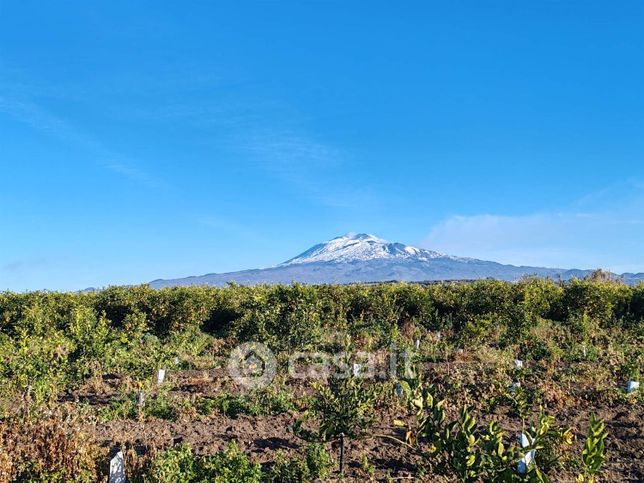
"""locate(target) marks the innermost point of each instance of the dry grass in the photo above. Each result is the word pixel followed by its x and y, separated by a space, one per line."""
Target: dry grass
pixel 49 447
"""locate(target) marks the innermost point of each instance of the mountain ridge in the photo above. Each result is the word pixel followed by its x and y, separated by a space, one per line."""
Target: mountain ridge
pixel 361 246
pixel 364 258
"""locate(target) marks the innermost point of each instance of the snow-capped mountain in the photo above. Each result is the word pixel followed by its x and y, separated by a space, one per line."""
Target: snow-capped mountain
pixel 367 258
pixel 361 247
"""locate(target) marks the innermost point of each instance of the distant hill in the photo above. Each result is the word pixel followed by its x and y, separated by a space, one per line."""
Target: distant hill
pixel 367 258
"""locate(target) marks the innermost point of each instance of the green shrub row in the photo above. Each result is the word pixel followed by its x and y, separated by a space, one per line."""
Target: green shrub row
pixel 297 314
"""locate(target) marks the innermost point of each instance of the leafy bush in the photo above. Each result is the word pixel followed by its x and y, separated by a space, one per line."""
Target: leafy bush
pixel 314 465
pixel 470 452
pixel 181 465
pixel 594 453
pixel 160 407
pixel 344 406
pixel 173 465
pixel 34 368
pixel 606 302
pixel 285 317
pixel 257 403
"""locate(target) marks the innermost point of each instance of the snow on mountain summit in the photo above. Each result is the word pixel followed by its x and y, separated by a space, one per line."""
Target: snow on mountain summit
pixel 361 247
pixel 365 258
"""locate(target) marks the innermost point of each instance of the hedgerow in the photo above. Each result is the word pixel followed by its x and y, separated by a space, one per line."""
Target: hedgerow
pixel 282 308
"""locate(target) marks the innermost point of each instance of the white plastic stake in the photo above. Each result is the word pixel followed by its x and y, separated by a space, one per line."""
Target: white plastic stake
pixel 417 344
pixel 160 376
pixel 140 398
pixel 632 386
pixel 525 462
pixel 117 469
pixel 176 360
pixel 357 369
pixel 518 364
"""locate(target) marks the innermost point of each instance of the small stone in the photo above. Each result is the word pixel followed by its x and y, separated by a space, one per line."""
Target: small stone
pixel 518 364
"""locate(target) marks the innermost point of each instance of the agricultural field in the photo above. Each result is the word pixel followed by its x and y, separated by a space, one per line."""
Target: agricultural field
pixel 484 381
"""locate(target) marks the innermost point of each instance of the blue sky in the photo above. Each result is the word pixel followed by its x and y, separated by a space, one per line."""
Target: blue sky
pixel 141 140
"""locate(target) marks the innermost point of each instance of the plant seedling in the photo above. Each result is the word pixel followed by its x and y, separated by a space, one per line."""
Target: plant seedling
pixel 594 452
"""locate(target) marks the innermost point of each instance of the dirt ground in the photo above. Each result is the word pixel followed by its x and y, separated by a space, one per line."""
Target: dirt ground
pixel 262 436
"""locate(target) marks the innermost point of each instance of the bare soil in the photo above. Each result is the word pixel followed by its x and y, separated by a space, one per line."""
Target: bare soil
pixel 262 436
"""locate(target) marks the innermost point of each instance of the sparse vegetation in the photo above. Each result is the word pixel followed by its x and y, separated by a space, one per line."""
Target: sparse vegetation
pixel 73 366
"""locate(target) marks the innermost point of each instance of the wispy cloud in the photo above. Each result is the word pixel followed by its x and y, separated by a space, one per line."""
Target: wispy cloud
pixel 317 170
pixel 607 233
pixel 31 114
pixel 136 174
pixel 17 266
pixel 264 131
pixel 271 136
pixel 22 108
